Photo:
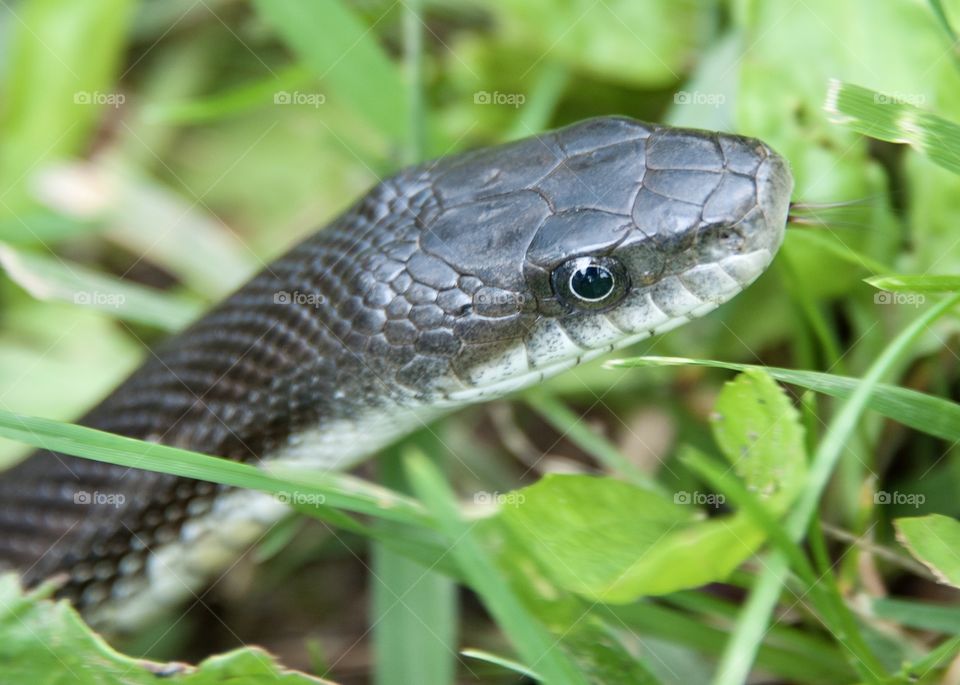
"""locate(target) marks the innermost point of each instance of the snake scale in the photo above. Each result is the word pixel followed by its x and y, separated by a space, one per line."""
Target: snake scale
pixel 451 283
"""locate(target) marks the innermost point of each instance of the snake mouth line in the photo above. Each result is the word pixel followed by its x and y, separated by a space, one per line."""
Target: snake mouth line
pixel 741 271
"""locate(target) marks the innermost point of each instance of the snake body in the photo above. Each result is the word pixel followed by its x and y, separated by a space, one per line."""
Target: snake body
pixel 453 282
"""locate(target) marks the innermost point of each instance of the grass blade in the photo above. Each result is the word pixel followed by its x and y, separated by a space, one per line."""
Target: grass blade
pixel 927 413
pixel 415 620
pixel 538 648
pixel 47 278
pixel 547 90
pixel 912 283
pixel 236 100
pixel 57 82
pixel 508 664
pixel 809 660
pixel 337 490
pixel 172 231
pixel 887 118
pixel 342 51
pixel 413 606
pixel 919 615
pixel 823 241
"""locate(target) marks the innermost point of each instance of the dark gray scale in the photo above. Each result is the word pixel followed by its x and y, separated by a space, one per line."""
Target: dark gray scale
pixel 490 256
pixel 561 235
pixel 602 179
pixel 487 173
pixel 683 150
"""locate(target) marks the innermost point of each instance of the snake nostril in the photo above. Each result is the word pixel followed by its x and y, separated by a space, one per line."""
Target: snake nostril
pixel 729 237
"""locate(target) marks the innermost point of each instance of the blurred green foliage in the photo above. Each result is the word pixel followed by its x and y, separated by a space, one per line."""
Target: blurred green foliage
pixel 177 146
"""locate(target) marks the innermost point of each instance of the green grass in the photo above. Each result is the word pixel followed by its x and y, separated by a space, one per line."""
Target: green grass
pixel 147 173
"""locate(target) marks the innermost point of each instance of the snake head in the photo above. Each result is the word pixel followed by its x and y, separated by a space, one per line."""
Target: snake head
pixel 528 258
pixel 576 242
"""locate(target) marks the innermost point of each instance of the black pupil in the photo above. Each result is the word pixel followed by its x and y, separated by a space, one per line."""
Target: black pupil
pixel 591 282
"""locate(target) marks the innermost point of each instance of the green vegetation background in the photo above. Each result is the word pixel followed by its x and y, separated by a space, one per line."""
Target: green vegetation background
pixel 153 155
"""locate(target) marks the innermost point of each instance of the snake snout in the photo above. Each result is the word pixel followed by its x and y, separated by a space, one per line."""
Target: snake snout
pixel 774 187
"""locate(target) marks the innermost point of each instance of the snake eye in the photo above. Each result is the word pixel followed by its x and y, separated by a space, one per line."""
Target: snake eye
pixel 590 282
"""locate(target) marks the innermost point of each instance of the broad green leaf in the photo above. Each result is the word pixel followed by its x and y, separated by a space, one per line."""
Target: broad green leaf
pixel 935 541
pixel 47 642
pixel 911 283
pixel 342 51
pixel 52 278
pixel 689 556
pixel 599 646
pixel 601 526
pixel 896 120
pixel 759 431
pixel 614 542
pixel 824 596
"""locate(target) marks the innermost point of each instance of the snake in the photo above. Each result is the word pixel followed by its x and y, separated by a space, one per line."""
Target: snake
pixel 451 283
